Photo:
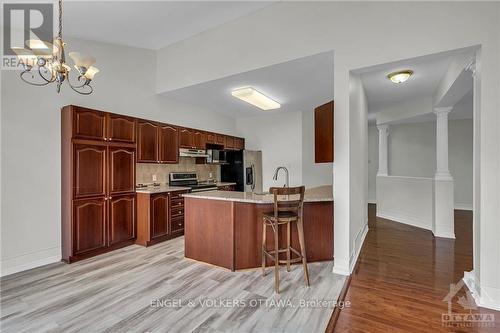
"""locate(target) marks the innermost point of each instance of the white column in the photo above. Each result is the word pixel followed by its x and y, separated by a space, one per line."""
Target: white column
pixel 442 170
pixel 383 132
pixel 444 204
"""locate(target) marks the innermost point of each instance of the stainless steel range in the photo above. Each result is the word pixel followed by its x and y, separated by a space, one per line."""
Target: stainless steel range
pixel 190 179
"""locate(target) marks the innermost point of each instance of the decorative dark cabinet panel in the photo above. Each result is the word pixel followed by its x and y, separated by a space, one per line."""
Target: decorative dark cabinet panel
pixel 121 218
pixel 199 140
pixel 121 170
pixel 88 124
pixel 186 138
pixel 120 128
pixel 177 225
pixel 147 141
pixel 323 133
pixel 159 214
pixel 89 170
pixel 89 218
pixel 169 144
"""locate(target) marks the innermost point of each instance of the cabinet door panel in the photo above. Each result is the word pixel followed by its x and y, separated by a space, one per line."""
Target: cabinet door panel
pixel 239 143
pixel 121 218
pixel 147 141
pixel 121 170
pixel 186 139
pixel 169 144
pixel 89 170
pixel 177 224
pixel 221 139
pixel 211 137
pixel 159 215
pixel 120 128
pixel 229 142
pixel 323 133
pixel 199 139
pixel 89 218
pixel 88 124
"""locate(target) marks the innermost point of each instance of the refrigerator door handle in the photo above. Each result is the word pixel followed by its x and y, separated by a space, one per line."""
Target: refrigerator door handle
pixel 253 177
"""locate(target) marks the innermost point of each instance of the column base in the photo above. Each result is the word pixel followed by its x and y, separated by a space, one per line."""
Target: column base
pixel 444 206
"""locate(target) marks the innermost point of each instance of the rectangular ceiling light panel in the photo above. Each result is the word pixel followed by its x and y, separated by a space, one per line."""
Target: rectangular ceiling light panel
pixel 256 98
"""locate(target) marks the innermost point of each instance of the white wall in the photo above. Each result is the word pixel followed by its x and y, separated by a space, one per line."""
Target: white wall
pixel 279 136
pixel 30 139
pixel 358 173
pixel 412 152
pixel 408 200
pixel 287 139
pixel 313 174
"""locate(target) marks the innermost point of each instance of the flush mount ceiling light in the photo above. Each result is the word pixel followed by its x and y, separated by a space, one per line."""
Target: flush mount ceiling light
pixel 400 76
pixel 44 63
pixel 256 98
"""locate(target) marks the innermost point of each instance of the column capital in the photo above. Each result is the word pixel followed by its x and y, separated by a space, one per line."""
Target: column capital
pixel 443 110
pixel 383 128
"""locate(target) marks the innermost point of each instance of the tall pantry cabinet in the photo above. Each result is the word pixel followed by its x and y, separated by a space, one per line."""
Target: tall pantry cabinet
pixel 98 182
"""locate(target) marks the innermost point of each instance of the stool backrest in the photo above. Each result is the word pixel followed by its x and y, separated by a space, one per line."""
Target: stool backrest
pixel 284 203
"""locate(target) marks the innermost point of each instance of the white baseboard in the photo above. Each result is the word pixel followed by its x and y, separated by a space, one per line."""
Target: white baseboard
pixel 485 297
pixel 405 219
pixel 358 244
pixel 30 260
pixel 461 206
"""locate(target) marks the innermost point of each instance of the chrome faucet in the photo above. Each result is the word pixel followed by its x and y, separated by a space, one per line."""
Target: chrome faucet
pixel 276 172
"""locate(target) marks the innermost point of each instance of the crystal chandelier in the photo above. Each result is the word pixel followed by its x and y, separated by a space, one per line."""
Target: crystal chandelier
pixel 44 63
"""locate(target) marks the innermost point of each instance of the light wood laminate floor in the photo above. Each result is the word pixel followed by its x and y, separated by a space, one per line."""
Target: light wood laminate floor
pixel 114 293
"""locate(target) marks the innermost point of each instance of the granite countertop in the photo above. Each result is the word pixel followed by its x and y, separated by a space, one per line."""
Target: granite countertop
pixel 220 184
pixel 315 194
pixel 161 189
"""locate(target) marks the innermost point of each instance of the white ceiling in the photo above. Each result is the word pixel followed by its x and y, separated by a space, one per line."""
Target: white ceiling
pixel 298 85
pixel 382 93
pixel 149 24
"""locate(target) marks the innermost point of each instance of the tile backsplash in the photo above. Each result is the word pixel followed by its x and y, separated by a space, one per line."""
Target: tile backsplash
pixel 145 171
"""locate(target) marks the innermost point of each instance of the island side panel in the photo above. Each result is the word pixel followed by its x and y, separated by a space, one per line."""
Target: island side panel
pixel 318 233
pixel 208 231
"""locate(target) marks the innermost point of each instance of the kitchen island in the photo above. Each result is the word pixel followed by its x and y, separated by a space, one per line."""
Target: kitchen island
pixel 225 228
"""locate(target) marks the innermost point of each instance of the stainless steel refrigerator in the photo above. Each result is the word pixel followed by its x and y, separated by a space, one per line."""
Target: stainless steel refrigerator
pixel 243 167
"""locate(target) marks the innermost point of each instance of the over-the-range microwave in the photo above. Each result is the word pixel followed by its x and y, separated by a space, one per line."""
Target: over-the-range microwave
pixel 216 156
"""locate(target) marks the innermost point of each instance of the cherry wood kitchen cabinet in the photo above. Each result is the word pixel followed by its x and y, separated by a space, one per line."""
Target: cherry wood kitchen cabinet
pixel 98 182
pixel 157 142
pixel 186 138
pixel 239 143
pixel 147 141
pixel 220 139
pixel 211 138
pixel 168 144
pixel 229 143
pixel 160 216
pixel 323 133
pixel 199 139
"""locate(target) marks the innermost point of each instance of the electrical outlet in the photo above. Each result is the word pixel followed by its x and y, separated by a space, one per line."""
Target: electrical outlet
pixel 154 178
pixel 210 175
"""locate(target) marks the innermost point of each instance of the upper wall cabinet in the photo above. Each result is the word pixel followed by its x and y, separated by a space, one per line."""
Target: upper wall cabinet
pixel 186 138
pixel 120 128
pixel 323 133
pixel 199 139
pixel 239 143
pixel 229 142
pixel 89 124
pixel 168 144
pixel 211 137
pixel 147 141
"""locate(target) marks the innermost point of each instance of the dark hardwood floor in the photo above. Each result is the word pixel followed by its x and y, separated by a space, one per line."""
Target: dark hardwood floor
pixel 403 274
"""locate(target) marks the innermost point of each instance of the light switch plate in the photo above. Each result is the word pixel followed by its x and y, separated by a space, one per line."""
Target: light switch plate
pixel 154 178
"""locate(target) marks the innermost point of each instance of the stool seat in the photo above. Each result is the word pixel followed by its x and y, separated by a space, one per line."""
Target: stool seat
pixel 286 215
pixel 287 210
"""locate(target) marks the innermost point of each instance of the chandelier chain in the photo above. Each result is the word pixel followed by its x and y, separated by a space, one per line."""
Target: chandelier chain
pixel 60 20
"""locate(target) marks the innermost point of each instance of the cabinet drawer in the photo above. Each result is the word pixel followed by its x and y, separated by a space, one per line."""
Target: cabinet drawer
pixel 176 212
pixel 176 203
pixel 177 224
pixel 177 195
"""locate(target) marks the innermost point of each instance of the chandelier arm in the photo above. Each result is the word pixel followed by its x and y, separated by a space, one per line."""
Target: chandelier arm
pixel 22 76
pixel 82 80
pixel 52 76
pixel 81 92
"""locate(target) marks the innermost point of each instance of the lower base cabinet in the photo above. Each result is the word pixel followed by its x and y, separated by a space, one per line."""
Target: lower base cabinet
pixel 160 216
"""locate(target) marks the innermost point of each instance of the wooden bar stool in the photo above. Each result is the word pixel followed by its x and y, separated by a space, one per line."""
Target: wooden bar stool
pixel 288 203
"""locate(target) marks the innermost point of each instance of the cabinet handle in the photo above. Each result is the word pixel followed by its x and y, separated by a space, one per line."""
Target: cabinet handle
pixel 105 199
pixel 110 198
